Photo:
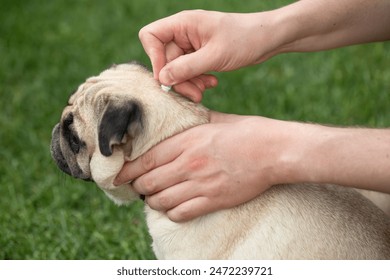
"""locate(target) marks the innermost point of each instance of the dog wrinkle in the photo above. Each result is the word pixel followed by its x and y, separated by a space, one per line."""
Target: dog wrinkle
pixel 285 222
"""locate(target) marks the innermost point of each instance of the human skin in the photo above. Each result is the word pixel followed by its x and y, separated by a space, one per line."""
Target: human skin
pixel 185 46
pixel 235 158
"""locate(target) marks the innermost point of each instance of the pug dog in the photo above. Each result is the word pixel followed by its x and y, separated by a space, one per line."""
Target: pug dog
pixel 123 112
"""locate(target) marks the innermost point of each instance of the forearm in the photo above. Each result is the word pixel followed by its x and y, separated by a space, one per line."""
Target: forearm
pixel 313 25
pixel 354 157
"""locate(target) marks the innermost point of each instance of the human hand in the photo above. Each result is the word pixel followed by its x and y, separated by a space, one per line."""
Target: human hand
pixel 234 158
pixel 209 167
pixel 185 46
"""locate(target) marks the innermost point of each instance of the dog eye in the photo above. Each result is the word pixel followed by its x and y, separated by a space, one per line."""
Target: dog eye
pixel 68 121
pixel 74 143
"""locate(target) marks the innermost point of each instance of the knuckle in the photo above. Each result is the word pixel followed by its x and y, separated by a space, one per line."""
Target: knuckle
pixel 181 214
pixel 148 161
pixel 165 202
pixel 145 31
pixel 159 203
pixel 199 84
pixel 217 189
pixel 149 185
pixel 184 13
pixel 197 163
pixel 144 35
pixel 141 33
pixel 146 185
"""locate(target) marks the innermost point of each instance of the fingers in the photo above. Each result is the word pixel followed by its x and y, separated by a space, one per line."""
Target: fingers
pixel 191 209
pixel 154 38
pixel 179 65
pixel 186 67
pixel 194 88
pixel 159 155
pixel 160 178
pixel 173 196
pixel 155 49
pixel 172 51
pixel 182 202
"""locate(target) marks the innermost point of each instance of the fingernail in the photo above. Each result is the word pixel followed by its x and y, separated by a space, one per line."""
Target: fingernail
pixel 166 78
pixel 196 98
pixel 212 83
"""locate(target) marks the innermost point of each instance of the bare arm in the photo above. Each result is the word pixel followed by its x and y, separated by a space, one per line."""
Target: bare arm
pixel 357 157
pixel 318 25
pixel 185 46
pixel 236 158
pixel 188 178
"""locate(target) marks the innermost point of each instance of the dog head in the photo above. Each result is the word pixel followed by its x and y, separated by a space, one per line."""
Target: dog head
pixel 115 117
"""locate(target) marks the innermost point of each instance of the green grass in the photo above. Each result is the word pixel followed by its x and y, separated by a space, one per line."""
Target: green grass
pixel 48 49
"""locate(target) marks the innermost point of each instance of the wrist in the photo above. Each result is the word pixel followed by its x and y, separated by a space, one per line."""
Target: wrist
pixel 306 158
pixel 355 157
pixel 280 149
pixel 296 146
pixel 266 34
pixel 302 153
pixel 296 24
pixel 308 26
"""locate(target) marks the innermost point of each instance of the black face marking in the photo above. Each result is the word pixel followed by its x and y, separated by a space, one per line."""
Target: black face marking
pixel 71 136
pixel 118 119
pixel 56 152
pixel 67 121
pixel 60 159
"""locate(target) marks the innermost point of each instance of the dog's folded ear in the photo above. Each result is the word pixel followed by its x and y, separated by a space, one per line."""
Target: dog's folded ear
pixel 119 121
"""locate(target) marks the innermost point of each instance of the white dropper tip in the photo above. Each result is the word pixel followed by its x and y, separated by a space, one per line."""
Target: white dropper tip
pixel 165 88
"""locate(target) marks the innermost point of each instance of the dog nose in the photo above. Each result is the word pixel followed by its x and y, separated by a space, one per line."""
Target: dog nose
pixel 59 158
pixel 55 150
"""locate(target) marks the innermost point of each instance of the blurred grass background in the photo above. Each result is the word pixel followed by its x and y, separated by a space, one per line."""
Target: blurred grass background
pixel 48 47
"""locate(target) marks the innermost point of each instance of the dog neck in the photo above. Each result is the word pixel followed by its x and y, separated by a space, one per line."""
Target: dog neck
pixel 168 122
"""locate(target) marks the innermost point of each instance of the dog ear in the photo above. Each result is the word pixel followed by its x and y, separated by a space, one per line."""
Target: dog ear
pixel 119 119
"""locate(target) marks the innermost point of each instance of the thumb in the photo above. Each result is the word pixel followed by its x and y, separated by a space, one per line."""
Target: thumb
pixel 186 67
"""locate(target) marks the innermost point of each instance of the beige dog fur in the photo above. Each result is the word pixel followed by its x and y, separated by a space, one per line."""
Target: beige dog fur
pixel 123 112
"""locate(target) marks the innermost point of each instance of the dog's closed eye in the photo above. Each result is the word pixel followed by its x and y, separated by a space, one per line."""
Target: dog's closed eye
pixel 71 137
pixel 74 143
